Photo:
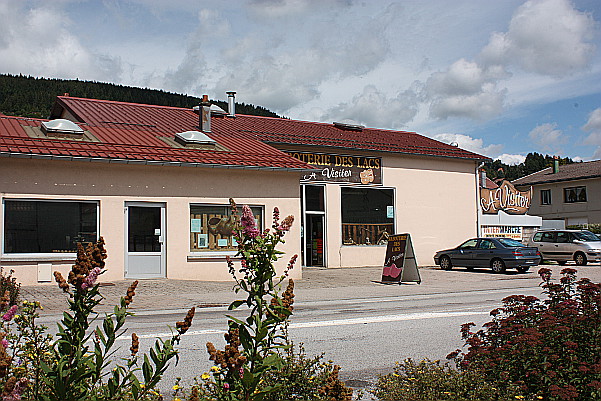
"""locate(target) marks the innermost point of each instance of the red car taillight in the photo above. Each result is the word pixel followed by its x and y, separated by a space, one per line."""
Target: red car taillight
pixel 517 253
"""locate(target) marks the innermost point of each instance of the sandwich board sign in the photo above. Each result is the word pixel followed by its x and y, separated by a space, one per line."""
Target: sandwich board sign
pixel 400 265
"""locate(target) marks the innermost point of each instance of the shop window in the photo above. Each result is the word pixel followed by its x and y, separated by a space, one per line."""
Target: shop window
pixel 48 226
pixel 211 227
pixel 574 194
pixel 545 197
pixel 367 215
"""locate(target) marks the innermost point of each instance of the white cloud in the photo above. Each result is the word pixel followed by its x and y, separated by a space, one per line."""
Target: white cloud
pixel 548 137
pixel 593 125
pixel 37 41
pixel 511 160
pixel 466 142
pixel 374 109
pixel 547 37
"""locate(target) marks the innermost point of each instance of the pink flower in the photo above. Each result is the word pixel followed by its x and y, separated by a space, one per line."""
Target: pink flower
pixel 10 313
pixel 249 225
pixel 226 386
pixel 4 343
pixel 91 279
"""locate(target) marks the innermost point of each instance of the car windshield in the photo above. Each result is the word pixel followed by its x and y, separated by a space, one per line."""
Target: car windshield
pixel 586 236
pixel 510 243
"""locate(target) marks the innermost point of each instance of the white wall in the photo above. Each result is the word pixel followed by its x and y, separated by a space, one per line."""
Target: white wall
pixel 177 187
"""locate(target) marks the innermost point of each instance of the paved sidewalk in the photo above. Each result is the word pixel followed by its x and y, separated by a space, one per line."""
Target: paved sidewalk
pixel 316 285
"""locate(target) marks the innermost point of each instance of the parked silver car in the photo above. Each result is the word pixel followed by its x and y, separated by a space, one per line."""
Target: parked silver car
pixel 581 246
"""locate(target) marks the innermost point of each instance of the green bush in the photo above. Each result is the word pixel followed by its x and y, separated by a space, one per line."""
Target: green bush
pixel 550 348
pixel 430 380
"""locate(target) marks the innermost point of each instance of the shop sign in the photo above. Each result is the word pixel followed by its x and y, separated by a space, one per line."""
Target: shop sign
pixel 506 198
pixel 339 168
pixel 399 264
pixel 512 232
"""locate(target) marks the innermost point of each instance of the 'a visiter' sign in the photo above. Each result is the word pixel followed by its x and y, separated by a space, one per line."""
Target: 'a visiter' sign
pixel 506 198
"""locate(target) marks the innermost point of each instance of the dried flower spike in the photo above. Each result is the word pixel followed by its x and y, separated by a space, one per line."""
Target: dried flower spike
pixel 135 344
pixel 131 291
pixel 182 327
pixel 62 283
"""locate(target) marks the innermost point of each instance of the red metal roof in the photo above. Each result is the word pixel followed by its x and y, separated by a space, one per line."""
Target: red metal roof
pixel 135 133
pixel 131 145
pixel 265 129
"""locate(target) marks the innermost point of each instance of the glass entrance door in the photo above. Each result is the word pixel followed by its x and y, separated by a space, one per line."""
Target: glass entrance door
pixel 145 240
pixel 313 232
pixel 314 246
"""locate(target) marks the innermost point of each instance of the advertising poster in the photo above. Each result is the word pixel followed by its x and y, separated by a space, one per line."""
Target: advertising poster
pixel 399 263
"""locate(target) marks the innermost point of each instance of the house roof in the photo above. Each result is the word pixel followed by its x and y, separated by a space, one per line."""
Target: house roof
pixel 265 129
pixel 138 145
pixel 139 133
pixel 567 172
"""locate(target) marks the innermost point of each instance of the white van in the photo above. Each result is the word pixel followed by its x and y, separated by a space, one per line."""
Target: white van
pixel 581 246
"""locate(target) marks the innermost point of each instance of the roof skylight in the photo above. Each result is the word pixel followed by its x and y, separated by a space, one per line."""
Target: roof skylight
pixel 61 126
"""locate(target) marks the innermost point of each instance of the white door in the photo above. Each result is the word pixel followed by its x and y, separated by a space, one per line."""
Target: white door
pixel 145 236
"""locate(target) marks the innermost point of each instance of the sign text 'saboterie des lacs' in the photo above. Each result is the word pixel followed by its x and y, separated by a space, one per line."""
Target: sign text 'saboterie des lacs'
pixel 340 168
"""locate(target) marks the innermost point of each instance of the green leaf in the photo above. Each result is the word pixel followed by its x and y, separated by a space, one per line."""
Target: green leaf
pixel 236 304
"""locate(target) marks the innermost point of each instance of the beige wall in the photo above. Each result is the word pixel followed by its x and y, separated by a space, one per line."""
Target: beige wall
pixel 558 209
pixel 435 201
pixel 177 187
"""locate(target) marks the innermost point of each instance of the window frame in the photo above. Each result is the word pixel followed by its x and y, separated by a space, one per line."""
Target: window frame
pixel 42 256
pixel 565 194
pixel 370 187
pixel 545 200
pixel 218 253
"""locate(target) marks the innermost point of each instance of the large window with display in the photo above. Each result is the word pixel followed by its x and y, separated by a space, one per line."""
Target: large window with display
pixel 34 226
pixel 367 215
pixel 211 227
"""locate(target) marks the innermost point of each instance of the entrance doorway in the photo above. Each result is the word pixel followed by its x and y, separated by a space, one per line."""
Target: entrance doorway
pixel 145 247
pixel 313 232
pixel 314 250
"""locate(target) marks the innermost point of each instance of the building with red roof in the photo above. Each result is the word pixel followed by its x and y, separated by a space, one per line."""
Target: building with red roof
pixel 154 181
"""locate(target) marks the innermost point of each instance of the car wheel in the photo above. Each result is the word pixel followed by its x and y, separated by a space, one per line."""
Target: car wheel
pixel 497 266
pixel 445 263
pixel 561 262
pixel 580 259
pixel 522 269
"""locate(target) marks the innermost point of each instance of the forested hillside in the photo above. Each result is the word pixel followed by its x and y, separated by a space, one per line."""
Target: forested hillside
pixel 534 162
pixel 33 97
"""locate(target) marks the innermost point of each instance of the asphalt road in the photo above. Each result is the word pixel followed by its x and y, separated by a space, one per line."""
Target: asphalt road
pixel 365 327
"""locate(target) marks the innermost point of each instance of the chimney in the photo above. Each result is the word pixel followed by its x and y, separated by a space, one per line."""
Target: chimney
pixel 555 164
pixel 205 114
pixel 231 104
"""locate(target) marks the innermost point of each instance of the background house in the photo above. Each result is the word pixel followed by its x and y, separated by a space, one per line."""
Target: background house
pixel 570 192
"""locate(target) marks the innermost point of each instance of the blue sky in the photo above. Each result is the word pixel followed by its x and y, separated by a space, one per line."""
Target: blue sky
pixel 501 78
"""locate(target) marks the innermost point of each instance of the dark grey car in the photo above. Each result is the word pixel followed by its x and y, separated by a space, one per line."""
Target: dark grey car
pixel 497 253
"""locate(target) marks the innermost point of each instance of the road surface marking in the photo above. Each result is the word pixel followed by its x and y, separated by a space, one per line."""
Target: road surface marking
pixel 339 322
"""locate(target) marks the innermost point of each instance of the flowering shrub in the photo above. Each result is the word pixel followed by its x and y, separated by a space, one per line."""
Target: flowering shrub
pixel 251 350
pixel 431 380
pixel 549 348
pixel 258 362
pixel 25 346
pixel 9 288
pixel 74 366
